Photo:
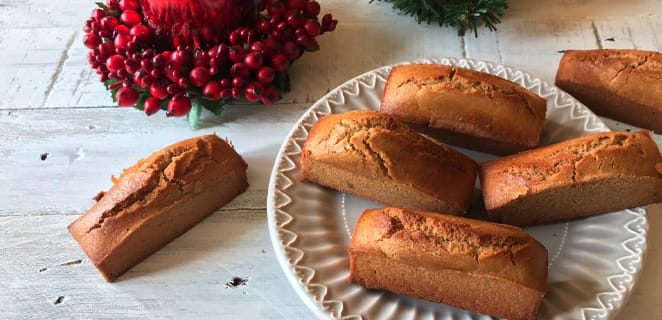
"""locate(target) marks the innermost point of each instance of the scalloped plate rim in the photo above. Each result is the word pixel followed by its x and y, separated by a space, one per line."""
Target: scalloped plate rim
pixel 289 269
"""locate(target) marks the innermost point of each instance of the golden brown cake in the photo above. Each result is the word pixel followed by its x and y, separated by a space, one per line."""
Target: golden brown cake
pixel 624 85
pixel 464 107
pixel 480 266
pixel 371 155
pixel 158 199
pixel 585 176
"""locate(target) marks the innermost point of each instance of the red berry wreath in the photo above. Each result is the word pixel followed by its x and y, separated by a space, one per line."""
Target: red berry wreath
pixel 184 55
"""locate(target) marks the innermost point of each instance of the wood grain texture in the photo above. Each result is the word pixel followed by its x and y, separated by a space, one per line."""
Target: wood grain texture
pixel 53 108
pixel 81 152
pixel 186 279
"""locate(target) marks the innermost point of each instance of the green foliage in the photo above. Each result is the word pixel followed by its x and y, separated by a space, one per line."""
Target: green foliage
pixel 459 14
pixel 194 115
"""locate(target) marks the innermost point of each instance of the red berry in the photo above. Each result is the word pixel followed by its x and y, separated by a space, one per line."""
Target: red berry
pixel 121 73
pixel 106 49
pixel 98 14
pixel 236 53
pixel 240 70
pixel 91 41
pixel 152 106
pixel 236 93
pixel 271 47
pixel 308 43
pixel 219 52
pixel 212 91
pixel 115 63
pixel 330 26
pixel 266 75
pixel 130 17
pixel 264 26
pixel 146 64
pixel 129 5
pixel 199 76
pixel 294 19
pixel 261 5
pixel 237 82
pixel 291 50
pixel 257 46
pixel 275 19
pixel 243 33
pixel 253 91
pixel 172 74
pixel 105 34
pixel 327 19
pixel 158 90
pixel 91 58
pixel 282 26
pixel 328 23
pixel 201 59
pixel 276 8
pixel 183 83
pixel 178 106
pixel 126 97
pixel 109 23
pixel 254 60
pixel 127 83
pixel 269 96
pixel 236 38
pixel 131 66
pixel 287 35
pixel 115 85
pixel 280 62
pixel 214 70
pixel 173 88
pixel 122 41
pixel 180 58
pixel 122 29
pixel 226 83
pixel 159 61
pixel 312 9
pixel 141 32
pixel 226 94
pixel 296 4
pixel 148 54
pixel 142 78
pixel 312 28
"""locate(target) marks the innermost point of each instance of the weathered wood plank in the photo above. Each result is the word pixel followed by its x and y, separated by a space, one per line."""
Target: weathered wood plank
pixel 30 68
pixel 51 278
pixel 82 148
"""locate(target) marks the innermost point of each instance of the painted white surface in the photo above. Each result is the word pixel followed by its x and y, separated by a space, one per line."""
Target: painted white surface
pixel 52 103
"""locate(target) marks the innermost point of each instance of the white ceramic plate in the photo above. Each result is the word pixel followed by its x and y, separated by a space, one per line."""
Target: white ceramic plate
pixel 594 262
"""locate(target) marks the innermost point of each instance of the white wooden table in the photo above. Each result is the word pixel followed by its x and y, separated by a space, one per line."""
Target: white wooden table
pixel 61 139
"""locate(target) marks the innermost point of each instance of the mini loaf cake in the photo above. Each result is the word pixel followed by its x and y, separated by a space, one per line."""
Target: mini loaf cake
pixel 585 176
pixel 480 266
pixel 625 85
pixel 158 199
pixel 464 107
pixel 374 156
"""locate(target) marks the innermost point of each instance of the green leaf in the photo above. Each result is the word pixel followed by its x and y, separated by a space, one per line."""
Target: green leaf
pixel 462 15
pixel 216 107
pixel 102 5
pixel 140 105
pixel 193 117
pixel 108 82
